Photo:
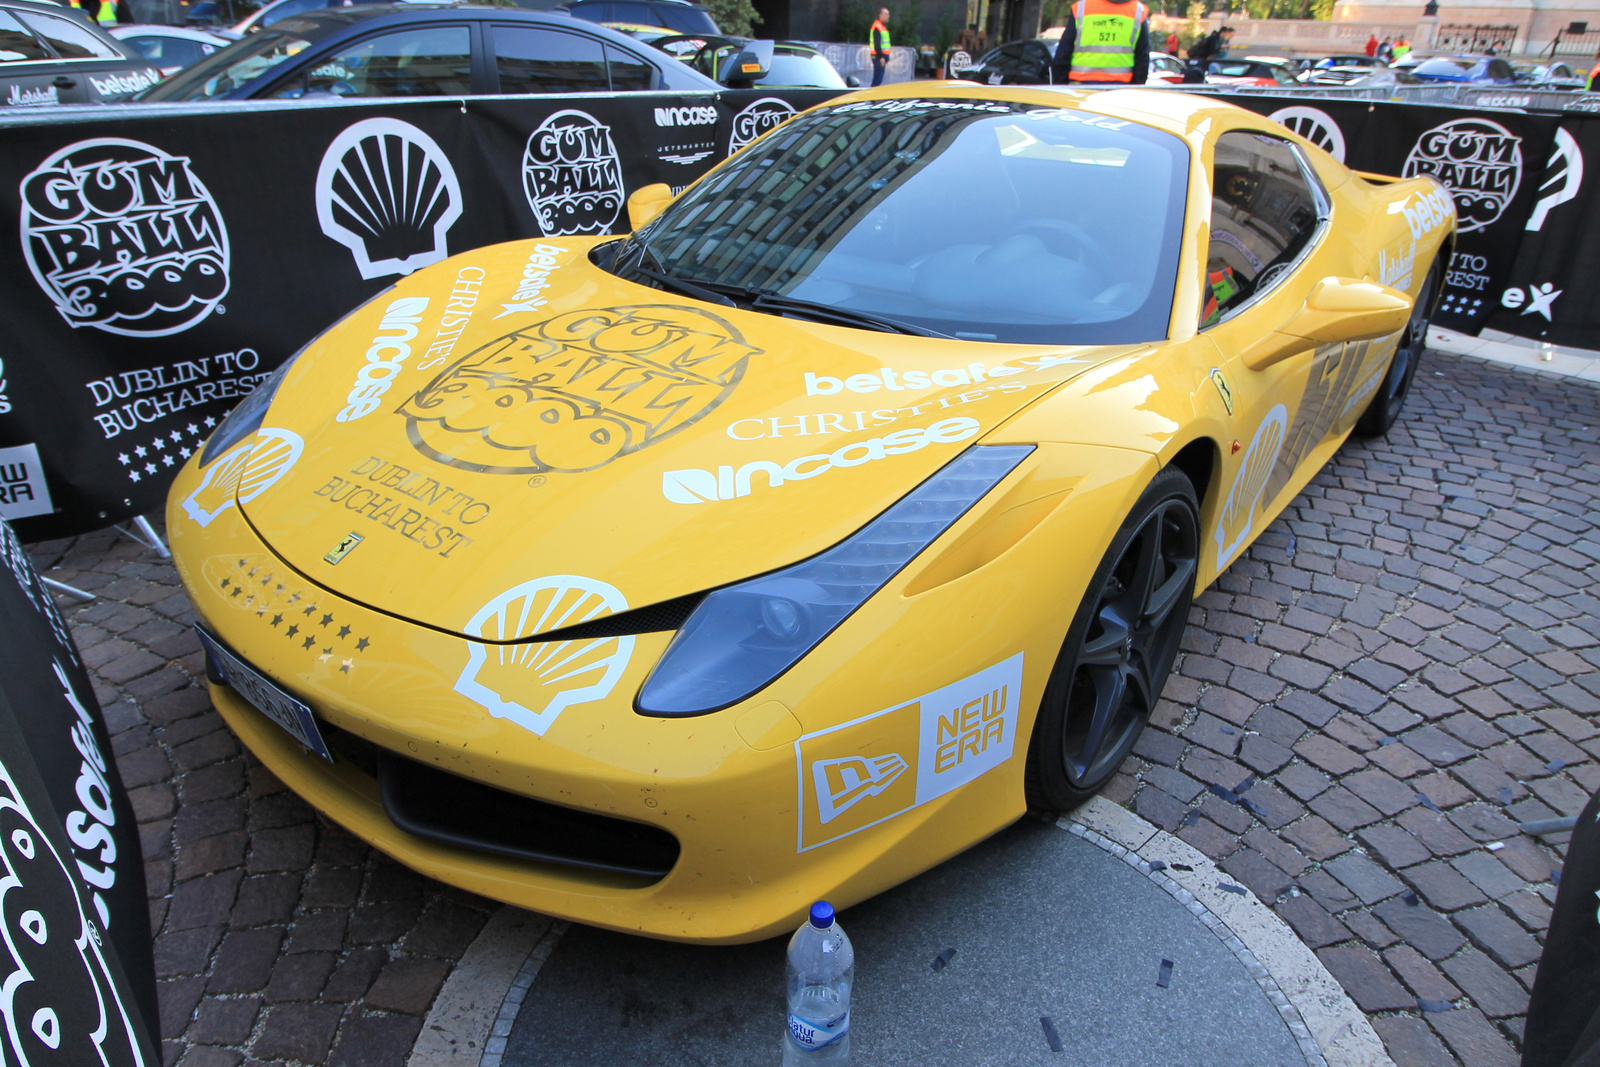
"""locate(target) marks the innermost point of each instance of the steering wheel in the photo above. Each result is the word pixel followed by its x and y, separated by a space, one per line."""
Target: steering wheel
pixel 1056 233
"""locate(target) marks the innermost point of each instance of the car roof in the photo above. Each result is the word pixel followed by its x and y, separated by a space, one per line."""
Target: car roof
pixel 335 19
pixel 678 3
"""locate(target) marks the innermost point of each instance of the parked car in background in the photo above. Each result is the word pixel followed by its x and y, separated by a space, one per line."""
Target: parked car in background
pixel 1017 63
pixel 1557 76
pixel 277 10
pixel 1481 70
pixel 1339 70
pixel 50 54
pixel 674 14
pixel 1251 70
pixel 1166 69
pixel 170 48
pixel 413 50
pixel 784 64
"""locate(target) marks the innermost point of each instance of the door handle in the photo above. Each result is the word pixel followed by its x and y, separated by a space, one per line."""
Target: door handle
pixel 64 82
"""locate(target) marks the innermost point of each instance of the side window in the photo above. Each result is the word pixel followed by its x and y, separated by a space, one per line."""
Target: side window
pixel 169 51
pixel 427 61
pixel 17 45
pixel 68 38
pixel 548 61
pixel 1036 60
pixel 638 14
pixel 629 73
pixel 293 7
pixel 1263 214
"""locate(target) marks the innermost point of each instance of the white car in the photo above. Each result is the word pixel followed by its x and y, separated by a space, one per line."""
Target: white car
pixel 170 48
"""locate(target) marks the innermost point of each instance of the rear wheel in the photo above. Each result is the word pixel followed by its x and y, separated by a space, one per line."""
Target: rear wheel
pixel 1384 409
pixel 1116 657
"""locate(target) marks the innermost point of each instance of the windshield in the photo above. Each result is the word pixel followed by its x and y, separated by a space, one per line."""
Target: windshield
pixel 801 66
pixel 222 73
pixel 976 219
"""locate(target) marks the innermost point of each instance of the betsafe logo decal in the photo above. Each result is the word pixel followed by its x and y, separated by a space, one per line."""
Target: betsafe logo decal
pixel 694 486
pixel 124 237
pixel 853 776
pixel 1479 161
pixel 533 682
pixel 572 175
pixel 243 474
pixel 578 390
pixel 765 114
pixel 387 192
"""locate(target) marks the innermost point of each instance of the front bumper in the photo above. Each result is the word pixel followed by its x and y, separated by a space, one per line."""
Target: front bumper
pixel 739 789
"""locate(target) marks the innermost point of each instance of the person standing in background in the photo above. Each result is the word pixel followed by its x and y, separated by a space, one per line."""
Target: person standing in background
pixel 1594 75
pixel 1105 42
pixel 1372 45
pixel 1172 44
pixel 1213 45
pixel 1385 51
pixel 880 46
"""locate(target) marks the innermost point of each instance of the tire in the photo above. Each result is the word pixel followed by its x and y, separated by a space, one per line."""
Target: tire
pixel 1384 408
pixel 1109 674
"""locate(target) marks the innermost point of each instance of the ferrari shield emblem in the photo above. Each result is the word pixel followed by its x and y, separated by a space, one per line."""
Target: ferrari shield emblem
pixel 346 543
pixel 1223 387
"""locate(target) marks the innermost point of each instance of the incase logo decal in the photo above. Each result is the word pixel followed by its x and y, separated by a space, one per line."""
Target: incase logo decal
pixel 694 486
pixel 389 350
pixel 853 776
pixel 124 237
pixel 685 116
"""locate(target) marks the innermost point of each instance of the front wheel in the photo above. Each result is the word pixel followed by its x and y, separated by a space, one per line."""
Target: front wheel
pixel 1116 657
pixel 1384 409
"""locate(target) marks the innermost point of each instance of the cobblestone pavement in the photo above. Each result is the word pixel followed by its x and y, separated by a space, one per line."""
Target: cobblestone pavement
pixel 1404 667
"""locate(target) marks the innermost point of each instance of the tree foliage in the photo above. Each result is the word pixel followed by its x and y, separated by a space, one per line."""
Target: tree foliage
pixel 735 17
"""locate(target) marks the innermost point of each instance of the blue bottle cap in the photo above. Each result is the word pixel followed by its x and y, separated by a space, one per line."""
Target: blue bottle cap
pixel 822 915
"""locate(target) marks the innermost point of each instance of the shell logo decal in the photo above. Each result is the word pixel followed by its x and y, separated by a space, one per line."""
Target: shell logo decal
pixel 1238 511
pixel 576 391
pixel 532 683
pixel 243 474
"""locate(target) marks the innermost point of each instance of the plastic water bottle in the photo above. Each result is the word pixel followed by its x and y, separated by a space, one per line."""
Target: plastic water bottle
pixel 822 966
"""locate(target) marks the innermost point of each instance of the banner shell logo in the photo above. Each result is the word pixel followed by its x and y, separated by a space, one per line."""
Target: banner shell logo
pixel 1315 125
pixel 578 390
pixel 124 237
pixel 530 682
pixel 756 119
pixel 387 192
pixel 1479 161
pixel 572 175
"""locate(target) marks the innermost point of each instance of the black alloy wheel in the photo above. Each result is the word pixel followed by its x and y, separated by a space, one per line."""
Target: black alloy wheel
pixel 1384 409
pixel 1114 662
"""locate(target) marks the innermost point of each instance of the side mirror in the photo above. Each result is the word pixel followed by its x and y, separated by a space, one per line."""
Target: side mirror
pixel 646 203
pixel 1338 309
pixel 748 65
pixel 853 82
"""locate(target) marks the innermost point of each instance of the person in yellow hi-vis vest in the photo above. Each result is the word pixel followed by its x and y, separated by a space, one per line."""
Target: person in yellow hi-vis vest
pixel 107 15
pixel 880 45
pixel 1105 42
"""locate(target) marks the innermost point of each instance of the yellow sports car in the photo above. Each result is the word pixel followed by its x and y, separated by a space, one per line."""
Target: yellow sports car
pixel 801 539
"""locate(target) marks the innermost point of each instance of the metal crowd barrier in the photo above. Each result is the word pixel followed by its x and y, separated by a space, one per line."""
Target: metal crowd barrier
pixel 1486 96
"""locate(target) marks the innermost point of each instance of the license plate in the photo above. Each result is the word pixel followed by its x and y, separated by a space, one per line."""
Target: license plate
pixel 266 697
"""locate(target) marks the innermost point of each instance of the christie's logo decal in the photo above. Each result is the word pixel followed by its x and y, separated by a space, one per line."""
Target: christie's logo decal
pixel 124 237
pixel 853 776
pixel 1479 161
pixel 693 486
pixel 571 175
pixel 576 391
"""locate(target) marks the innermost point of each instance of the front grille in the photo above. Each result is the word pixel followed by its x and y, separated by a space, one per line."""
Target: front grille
pixel 438 806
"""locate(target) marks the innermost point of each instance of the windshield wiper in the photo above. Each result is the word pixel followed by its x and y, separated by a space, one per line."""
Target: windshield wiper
pixel 767 300
pixel 680 285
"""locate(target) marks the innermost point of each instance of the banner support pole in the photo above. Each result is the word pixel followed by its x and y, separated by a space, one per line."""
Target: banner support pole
pixel 146 535
pixel 69 590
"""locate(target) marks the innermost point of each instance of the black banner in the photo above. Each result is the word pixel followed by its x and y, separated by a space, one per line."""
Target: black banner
pixel 165 258
pixel 69 846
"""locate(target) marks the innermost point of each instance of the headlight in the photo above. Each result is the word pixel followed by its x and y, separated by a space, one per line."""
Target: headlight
pixel 245 419
pixel 742 637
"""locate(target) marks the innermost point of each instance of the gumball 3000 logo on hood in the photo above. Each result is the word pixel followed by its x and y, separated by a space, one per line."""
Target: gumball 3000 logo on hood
pixel 571 175
pixel 757 119
pixel 124 237
pixel 1479 161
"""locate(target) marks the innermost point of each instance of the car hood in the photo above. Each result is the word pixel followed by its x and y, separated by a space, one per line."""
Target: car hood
pixel 515 414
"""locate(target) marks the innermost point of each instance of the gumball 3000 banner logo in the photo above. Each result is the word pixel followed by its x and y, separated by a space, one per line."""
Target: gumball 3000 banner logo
pixel 125 238
pixel 1479 161
pixel 571 175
